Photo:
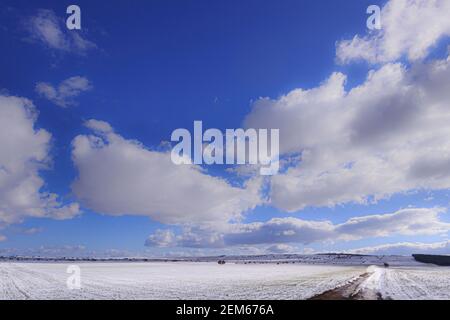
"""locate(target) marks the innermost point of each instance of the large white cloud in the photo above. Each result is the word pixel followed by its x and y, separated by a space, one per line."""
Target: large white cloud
pixel 119 176
pixel 411 221
pixel 387 135
pixel 409 27
pixel 24 151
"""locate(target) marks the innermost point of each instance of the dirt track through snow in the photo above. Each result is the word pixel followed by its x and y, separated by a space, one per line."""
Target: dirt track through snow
pixel 404 283
pixel 350 291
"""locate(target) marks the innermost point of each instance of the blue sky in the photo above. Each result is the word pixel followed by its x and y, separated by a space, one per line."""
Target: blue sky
pixel 154 66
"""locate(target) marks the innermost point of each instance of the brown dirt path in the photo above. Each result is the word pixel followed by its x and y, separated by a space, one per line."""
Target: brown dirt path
pixel 349 291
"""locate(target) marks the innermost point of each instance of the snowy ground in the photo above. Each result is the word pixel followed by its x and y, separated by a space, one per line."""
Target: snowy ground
pixel 166 280
pixel 208 280
pixel 418 283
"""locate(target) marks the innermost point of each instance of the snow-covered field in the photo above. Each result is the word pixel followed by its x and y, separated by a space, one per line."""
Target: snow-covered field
pixel 172 280
pixel 208 280
pixel 417 283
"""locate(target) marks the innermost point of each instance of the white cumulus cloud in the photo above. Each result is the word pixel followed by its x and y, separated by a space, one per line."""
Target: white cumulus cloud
pixel 410 221
pixel 409 27
pixel 24 152
pixel 385 136
pixel 117 176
